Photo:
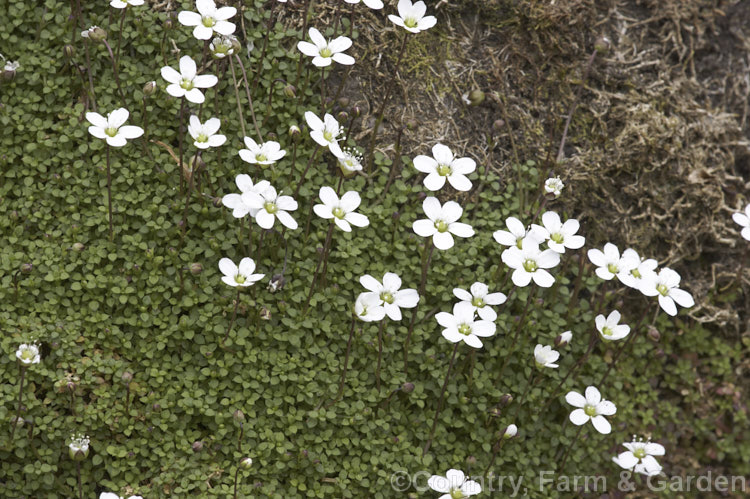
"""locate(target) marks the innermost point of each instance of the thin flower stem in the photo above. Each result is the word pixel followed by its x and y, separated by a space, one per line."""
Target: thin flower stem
pixel 20 398
pixel 317 268
pixel 440 401
pixel 306 10
pixel 516 334
pixel 80 484
pixel 346 365
pixel 592 342
pixel 191 183
pixel 114 70
pixel 109 196
pixel 322 90
pixel 577 287
pixel 180 133
pixel 304 173
pixel 380 352
pixel 250 237
pixel 234 316
pixel 236 478
pixel 269 27
pixel 429 248
pixel 249 98
pixel 119 37
pixel 570 446
pixel 89 71
pixel 240 437
pixel 371 152
pixel 237 98
pixel 351 21
pixel 631 338
pixel 495 450
pixel 532 382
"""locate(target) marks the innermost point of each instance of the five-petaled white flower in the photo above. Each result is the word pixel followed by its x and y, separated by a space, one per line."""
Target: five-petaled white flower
pixel 121 4
pixel 460 325
pixel 266 153
pixel 204 134
pixel 441 222
pixel 453 484
pixel 187 83
pixel 610 328
pixel 643 272
pixel 271 206
pixel 743 220
pixel 529 262
pixel 480 297
pixel 640 457
pixel 559 235
pixel 591 408
pixel 234 201
pixel 516 233
pixel 208 19
pixel 341 210
pixel 28 353
pixel 373 4
pixel 444 166
pixel 666 285
pixel 325 132
pixel 323 51
pixel 239 276
pixel 609 263
pixel 412 17
pixel 111 495
pixel 111 128
pixel 544 356
pixel 367 307
pixel 391 297
pixel 554 186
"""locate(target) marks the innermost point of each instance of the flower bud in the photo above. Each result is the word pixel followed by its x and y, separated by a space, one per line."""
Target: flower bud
pixel 510 431
pixel 197 446
pixel 498 125
pixel 505 400
pixel 127 377
pixel 654 334
pixel 476 97
pixel 343 102
pixel 265 314
pixel 78 247
pixel 97 34
pixel 272 136
pixel 421 196
pixel 471 460
pixel 290 91
pixel 69 51
pixel 563 339
pixel 342 117
pixel 295 132
pixel 407 387
pixel 239 416
pixel 26 268
pixel 276 283
pixel 169 23
pixel 149 88
pixel 356 112
pixel 602 45
pixel 196 268
pixel 246 463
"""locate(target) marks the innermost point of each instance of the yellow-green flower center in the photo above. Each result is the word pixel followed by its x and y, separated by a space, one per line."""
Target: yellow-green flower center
pixel 27 355
pixel 441 226
pixel 325 52
pixel 444 170
pixel 530 265
pixel 111 131
pixel 590 410
pixel 338 212
pixel 186 84
pixel 636 274
pixel 208 22
pixel 239 278
pixel 386 297
pixel 328 135
pixel 261 157
pixel 270 207
pixel 607 331
pixel 519 243
pixel 464 329
pixel 662 289
pixel 457 494
pixel 640 453
pixel 202 138
pixel 410 22
pixel 557 237
pixel 477 302
pixel 612 268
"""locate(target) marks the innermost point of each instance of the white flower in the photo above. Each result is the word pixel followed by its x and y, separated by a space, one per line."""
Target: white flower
pixel 391 297
pixel 553 185
pixel 323 51
pixel 78 448
pixel 121 4
pixel 510 431
pixel 367 307
pixel 325 132
pixel 222 46
pixel 11 66
pixel 239 276
pixel 208 19
pixel 110 495
pixel 640 457
pixel 266 153
pixel 563 339
pixel 666 285
pixel 516 233
pixel 271 206
pixel 373 4
pixel 111 128
pixel 444 166
pixel 350 161
pixel 591 408
pixel 454 483
pixel 234 201
pixel 479 297
pixel 529 262
pixel 560 235
pixel 610 264
pixel 544 356
pixel 643 272
pixel 187 83
pixel 441 222
pixel 460 325
pixel 743 220
pixel 412 17
pixel 610 328
pixel 205 135
pixel 28 354
pixel 341 210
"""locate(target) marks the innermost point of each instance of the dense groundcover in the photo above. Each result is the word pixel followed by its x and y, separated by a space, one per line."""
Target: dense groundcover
pixel 175 377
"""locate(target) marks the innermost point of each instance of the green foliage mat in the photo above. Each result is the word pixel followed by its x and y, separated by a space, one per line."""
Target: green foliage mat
pixel 101 309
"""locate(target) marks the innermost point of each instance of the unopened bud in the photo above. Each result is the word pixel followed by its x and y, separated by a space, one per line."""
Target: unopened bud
pixel 563 339
pixel 356 112
pixel 196 268
pixel 653 333
pixel 277 283
pixel 471 460
pixel 476 97
pixel 265 314
pixel 149 88
pixel 498 125
pixel 510 431
pixel 239 416
pixel 97 34
pixel 127 377
pixel 407 387
pixel 290 91
pixel 342 117
pixel 69 51
pixel 602 45
pixel 78 247
pixel 505 400
pixel 26 268
pixel 197 446
pixel 246 462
